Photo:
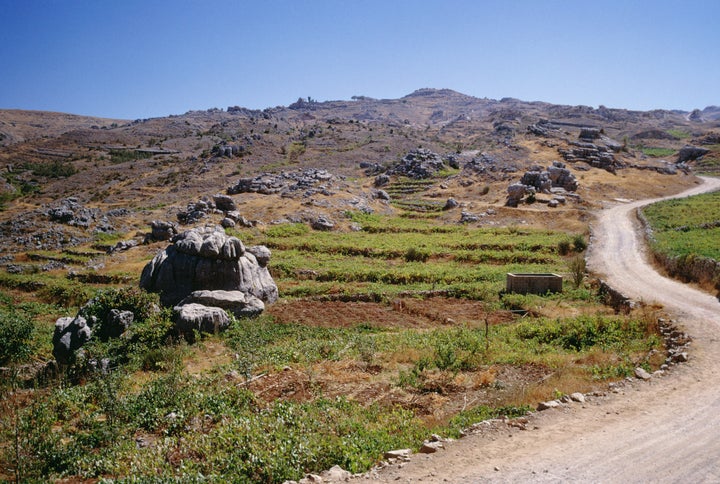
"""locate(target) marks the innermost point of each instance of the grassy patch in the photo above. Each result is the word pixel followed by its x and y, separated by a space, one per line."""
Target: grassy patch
pixel 686 226
pixel 657 152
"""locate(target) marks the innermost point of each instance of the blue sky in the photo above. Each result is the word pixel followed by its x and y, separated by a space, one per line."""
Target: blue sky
pixel 142 58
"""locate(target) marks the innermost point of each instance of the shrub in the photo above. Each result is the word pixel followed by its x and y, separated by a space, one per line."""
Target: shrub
pixel 563 247
pixel 579 243
pixel 577 268
pixel 15 337
pixel 414 254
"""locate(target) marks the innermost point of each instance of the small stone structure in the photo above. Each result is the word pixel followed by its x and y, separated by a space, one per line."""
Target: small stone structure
pixel 533 283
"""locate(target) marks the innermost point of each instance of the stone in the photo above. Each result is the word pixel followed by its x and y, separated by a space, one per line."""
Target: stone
pixel 381 180
pixel 69 335
pixel 548 405
pixel 516 192
pixel 161 230
pixel 691 153
pixel 242 305
pixel 577 397
pixel 382 195
pixel 641 374
pixel 262 254
pixel 467 217
pixel 420 163
pixel 189 317
pixel 208 259
pixel 398 454
pixel 227 223
pixel 224 202
pixel 431 447
pixel 450 204
pixel 323 223
pixel 118 322
pixel 336 474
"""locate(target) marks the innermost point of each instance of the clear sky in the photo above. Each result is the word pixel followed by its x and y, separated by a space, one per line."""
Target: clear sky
pixel 145 58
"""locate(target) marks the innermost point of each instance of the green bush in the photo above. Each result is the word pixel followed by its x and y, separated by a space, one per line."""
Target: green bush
pixel 16 334
pixel 414 254
pixel 563 247
pixel 579 243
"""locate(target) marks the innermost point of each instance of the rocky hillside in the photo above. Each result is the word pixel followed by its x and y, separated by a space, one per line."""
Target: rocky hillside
pixel 68 178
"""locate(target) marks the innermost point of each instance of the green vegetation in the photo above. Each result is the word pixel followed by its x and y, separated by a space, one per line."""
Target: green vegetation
pixel 53 169
pixel 657 152
pixel 686 226
pixel 679 133
pixel 122 156
pixel 465 261
pixel 286 396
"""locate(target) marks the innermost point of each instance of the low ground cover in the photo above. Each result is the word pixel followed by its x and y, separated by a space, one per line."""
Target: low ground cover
pixel 383 336
pixel 684 236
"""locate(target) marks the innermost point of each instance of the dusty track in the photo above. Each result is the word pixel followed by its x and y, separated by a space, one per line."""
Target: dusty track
pixel 665 430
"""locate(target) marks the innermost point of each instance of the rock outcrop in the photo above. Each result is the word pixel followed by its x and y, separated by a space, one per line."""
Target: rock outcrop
pixel 556 179
pixel 207 259
pixel 303 183
pixel 691 153
pixel 420 163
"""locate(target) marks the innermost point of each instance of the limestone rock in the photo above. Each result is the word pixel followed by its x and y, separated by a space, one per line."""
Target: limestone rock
pixel 224 202
pixel 207 259
pixel 70 334
pixel 161 230
pixel 577 397
pixel 431 447
pixel 418 164
pixel 548 405
pixel 641 374
pixel 189 317
pixel 323 223
pixel 242 305
pixel 398 454
pixel 690 153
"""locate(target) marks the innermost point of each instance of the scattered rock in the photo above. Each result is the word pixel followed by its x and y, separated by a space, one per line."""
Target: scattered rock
pixel 323 223
pixel 548 405
pixel 641 374
pixel 398 454
pixel 161 230
pixel 224 202
pixel 189 317
pixel 418 164
pixel 241 304
pixel 577 397
pixel 431 447
pixel 467 217
pixel 450 204
pixel 304 183
pixel 691 153
pixel 70 334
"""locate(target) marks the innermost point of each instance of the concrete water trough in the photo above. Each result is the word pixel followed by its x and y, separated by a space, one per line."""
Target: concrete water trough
pixel 533 283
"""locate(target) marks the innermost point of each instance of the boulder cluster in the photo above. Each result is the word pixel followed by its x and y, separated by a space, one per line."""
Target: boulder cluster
pixel 556 180
pixel 204 276
pixel 304 183
pixel 419 164
pixel 196 211
pixel 595 149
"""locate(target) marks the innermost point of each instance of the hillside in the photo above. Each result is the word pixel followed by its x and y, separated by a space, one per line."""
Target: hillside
pixel 152 168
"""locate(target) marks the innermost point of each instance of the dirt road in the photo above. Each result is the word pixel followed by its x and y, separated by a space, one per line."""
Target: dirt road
pixel 663 430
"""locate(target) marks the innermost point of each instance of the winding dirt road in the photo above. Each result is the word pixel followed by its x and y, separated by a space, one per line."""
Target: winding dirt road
pixel 663 430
